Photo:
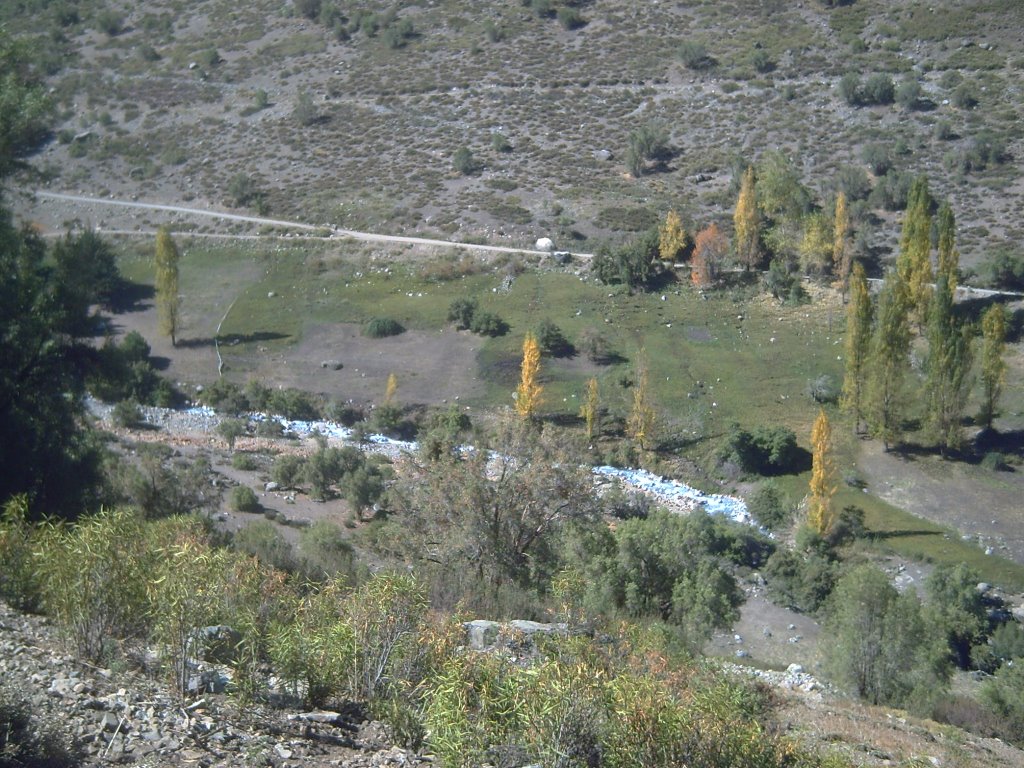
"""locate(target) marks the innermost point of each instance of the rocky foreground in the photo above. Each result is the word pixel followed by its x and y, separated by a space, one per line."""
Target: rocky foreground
pixel 124 717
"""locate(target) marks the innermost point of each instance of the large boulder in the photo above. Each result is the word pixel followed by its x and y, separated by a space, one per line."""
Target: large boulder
pixel 545 244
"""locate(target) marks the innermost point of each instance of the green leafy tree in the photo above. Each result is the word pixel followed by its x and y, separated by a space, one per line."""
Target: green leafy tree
pixel 747 222
pixel 168 300
pixel 25 110
pixel 949 256
pixel 888 363
pixel 957 610
pixel 948 368
pixel 993 366
pixel 876 642
pixel 857 345
pixel 231 430
pixel 913 264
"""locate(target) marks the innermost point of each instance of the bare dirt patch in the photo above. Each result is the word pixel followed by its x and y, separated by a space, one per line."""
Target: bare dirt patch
pixel 979 503
pixel 430 367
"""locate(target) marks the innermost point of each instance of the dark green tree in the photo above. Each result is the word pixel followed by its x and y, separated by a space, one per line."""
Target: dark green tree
pixel 948 368
pixel 888 362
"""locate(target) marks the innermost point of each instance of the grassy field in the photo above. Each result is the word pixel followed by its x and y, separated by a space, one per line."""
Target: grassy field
pixel 729 356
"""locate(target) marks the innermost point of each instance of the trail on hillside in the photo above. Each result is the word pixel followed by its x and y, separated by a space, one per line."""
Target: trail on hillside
pixel 335 232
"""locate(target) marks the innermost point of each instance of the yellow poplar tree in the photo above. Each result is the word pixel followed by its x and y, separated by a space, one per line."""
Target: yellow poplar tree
pixel 840 242
pixel 590 410
pixel 820 515
pixel 747 222
pixel 167 299
pixel 390 389
pixel 672 237
pixel 640 425
pixel 528 393
pixel 914 265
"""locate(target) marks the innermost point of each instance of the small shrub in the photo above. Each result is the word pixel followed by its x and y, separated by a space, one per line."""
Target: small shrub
pixel 823 389
pixel 380 327
pixel 908 94
pixel 500 143
pixel 570 18
pixel 461 312
pixel 595 345
pixel 305 112
pixel 245 462
pixel 761 61
pixel 552 340
pixel 694 55
pixel 769 506
pixel 244 499
pixel 879 89
pixel 323 552
pixel 110 22
pixel 964 96
pixel 765 450
pixel 287 470
pixel 488 324
pixel 127 414
pixel 264 541
pixel 464 162
pixel 849 88
pixel 994 461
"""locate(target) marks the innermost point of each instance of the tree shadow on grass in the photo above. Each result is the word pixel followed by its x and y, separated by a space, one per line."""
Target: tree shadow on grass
pixel 901 534
pixel 130 297
pixel 231 340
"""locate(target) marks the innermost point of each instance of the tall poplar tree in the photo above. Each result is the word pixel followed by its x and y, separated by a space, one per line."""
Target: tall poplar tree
pixel 949 365
pixel 640 424
pixel 993 366
pixel 528 394
pixel 820 514
pixel 914 262
pixel 949 257
pixel 841 252
pixel 857 346
pixel 888 363
pixel 591 410
pixel 167 299
pixel 747 221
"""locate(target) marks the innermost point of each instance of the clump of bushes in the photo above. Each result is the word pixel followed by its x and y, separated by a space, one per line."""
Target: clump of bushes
pixel 461 312
pixel 488 324
pixel 763 450
pixel 769 506
pixel 380 327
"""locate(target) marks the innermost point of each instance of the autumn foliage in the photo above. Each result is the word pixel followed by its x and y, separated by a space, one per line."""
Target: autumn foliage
pixel 709 249
pixel 820 514
pixel 528 394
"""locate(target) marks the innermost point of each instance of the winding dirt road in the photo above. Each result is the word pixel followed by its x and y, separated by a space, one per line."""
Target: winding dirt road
pixel 334 231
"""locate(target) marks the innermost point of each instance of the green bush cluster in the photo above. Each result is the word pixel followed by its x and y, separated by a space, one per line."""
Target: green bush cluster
pixel 379 327
pixel 229 398
pixel 763 450
pixel 328 468
pixel 466 314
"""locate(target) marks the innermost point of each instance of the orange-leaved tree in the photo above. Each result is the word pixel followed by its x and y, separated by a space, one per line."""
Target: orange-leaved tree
pixel 709 249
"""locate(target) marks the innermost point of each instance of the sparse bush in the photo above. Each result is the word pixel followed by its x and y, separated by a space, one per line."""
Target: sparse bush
pixel 93 576
pixel 264 541
pixel 823 389
pixel 891 191
pixel 964 96
pixel 762 61
pixel 380 327
pixel 231 430
pixel 287 470
pixel 769 506
pixel 244 499
pixel 308 8
pixel 570 18
pixel 908 94
pixel 595 345
pixel 849 88
pixel 110 22
pixel 994 461
pixel 879 89
pixel 244 191
pixel 245 462
pixel 694 55
pixel 552 340
pixel 127 414
pixel 495 33
pixel 500 143
pixel 464 162
pixel 461 312
pixel 324 553
pixel 19 584
pixel 305 112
